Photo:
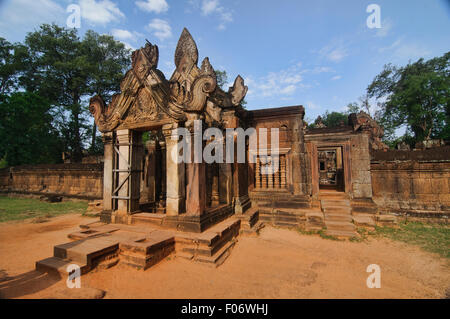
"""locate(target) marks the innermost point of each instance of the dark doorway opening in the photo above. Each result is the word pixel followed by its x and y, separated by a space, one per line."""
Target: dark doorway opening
pixel 331 168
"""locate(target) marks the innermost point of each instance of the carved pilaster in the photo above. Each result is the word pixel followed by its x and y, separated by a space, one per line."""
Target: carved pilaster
pixel 195 173
pixel 175 174
pixel 107 176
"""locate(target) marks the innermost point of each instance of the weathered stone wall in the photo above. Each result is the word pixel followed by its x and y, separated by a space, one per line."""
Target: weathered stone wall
pixel 412 187
pixel 360 166
pixel 71 180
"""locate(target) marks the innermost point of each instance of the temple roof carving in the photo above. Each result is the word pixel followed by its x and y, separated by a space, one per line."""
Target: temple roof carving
pixel 147 98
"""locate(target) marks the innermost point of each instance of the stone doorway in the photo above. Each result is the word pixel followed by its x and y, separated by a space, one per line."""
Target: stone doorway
pixel 330 168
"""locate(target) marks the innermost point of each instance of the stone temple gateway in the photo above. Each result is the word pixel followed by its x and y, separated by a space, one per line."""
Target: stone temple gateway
pixel 197 209
pixel 193 196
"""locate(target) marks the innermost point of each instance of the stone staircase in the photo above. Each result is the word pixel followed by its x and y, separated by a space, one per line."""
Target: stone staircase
pixel 250 223
pixel 337 213
pixel 211 247
pixel 99 245
pixel 85 253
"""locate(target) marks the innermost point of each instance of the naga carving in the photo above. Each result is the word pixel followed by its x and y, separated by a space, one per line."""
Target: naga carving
pixel 146 95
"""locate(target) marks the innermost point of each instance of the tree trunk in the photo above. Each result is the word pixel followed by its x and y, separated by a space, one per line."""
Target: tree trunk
pixel 94 135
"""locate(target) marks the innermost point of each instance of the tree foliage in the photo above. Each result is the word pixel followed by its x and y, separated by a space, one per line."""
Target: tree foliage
pixel 65 70
pixel 416 95
pixel 13 58
pixel 27 135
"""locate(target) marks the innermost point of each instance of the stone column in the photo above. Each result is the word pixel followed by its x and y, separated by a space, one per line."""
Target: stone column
pixel 129 166
pixel 107 176
pixel 196 178
pixel 258 173
pixel 123 139
pixel 163 193
pixel 283 171
pixel 215 185
pixel 148 184
pixel 240 171
pixel 175 174
pixel 225 183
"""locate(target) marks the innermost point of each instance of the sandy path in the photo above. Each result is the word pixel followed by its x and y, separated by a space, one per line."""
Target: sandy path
pixel 278 264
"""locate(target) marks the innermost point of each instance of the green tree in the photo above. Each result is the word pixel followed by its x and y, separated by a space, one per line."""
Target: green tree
pixel 332 119
pixel 416 95
pixel 108 62
pixel 222 79
pixel 352 108
pixel 27 135
pixel 67 70
pixel 13 59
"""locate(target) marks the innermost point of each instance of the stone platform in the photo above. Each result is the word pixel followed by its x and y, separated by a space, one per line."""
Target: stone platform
pixel 100 245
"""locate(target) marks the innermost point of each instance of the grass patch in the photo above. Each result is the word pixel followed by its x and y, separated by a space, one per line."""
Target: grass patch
pixel 431 237
pixel 307 232
pixel 325 236
pixel 22 208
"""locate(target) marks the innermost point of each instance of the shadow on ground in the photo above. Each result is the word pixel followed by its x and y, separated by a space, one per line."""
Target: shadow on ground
pixel 24 284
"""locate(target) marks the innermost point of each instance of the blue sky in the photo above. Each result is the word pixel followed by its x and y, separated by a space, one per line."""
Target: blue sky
pixel 319 54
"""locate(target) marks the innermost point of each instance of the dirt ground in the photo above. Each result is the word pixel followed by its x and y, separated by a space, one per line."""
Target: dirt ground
pixel 280 263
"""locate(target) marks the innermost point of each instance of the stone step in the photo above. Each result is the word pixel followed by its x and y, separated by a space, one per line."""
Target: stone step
pixel 184 255
pixel 219 257
pixel 59 266
pixel 143 262
pixel 386 219
pixel 85 250
pixel 335 203
pixel 285 224
pixel 249 218
pixel 90 231
pixel 361 220
pixel 344 226
pixel 309 227
pixel 338 217
pixel 148 218
pixel 333 195
pixel 254 230
pixel 341 233
pixel 314 220
pixel 337 210
pixel 364 209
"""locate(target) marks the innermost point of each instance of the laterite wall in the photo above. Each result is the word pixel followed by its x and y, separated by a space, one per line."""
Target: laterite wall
pixel 83 181
pixel 412 183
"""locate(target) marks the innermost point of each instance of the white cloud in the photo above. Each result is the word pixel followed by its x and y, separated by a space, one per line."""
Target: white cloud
pixel 125 35
pixel 335 52
pixel 215 9
pixel 313 106
pixel 336 77
pixel 288 90
pixel 209 6
pixel 20 16
pixel 282 83
pixel 321 69
pixel 160 29
pixel 156 6
pixel 405 51
pixel 100 12
pixel 386 26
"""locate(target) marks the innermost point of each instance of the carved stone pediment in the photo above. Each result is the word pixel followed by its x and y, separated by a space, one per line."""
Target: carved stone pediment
pixel 146 95
pixel 363 122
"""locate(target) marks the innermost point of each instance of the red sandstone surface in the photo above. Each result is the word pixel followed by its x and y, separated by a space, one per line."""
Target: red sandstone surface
pixel 279 263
